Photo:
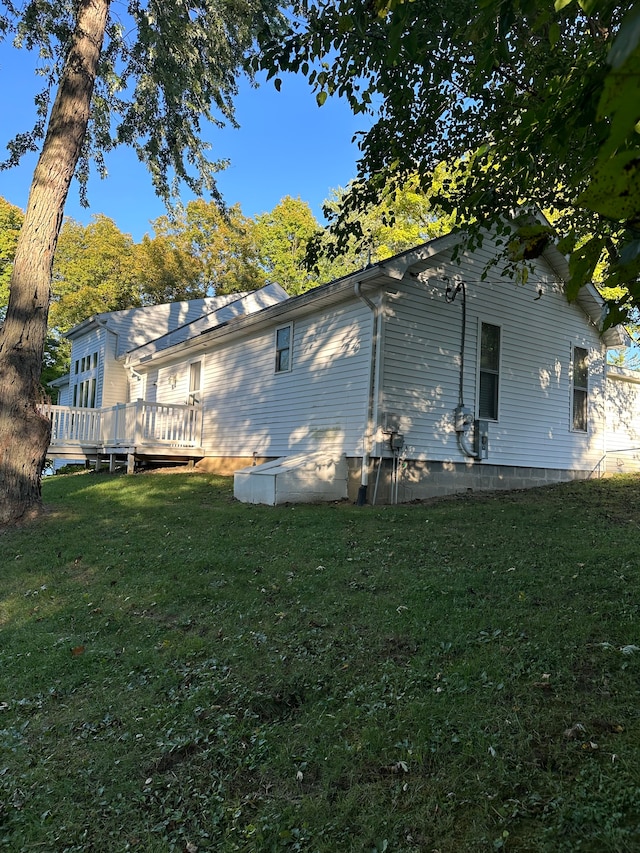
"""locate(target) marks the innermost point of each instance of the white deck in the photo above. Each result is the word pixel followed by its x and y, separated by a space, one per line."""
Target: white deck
pixel 141 428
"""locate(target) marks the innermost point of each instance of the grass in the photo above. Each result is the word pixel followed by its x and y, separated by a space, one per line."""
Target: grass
pixel 182 672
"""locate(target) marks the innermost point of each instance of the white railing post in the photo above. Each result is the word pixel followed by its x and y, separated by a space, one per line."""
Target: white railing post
pixel 139 423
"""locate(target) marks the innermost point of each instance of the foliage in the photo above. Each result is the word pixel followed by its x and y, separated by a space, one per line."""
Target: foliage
pixel 10 224
pixel 182 671
pixel 55 362
pixel 282 236
pixel 165 69
pixel 404 216
pixel 536 105
pixel 199 251
pixel 92 272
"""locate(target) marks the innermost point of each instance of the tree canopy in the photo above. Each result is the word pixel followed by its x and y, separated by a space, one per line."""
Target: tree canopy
pixel 93 271
pixel 165 71
pixel 200 251
pixel 533 106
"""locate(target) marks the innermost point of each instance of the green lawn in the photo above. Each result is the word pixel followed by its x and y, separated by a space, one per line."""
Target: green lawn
pixel 179 671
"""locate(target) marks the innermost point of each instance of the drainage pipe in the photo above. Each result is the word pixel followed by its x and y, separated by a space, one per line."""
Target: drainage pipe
pixel 367 437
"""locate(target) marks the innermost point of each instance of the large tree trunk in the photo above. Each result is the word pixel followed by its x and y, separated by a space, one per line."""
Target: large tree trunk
pixel 24 433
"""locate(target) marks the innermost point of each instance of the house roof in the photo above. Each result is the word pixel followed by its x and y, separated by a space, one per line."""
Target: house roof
pixel 136 326
pixel 245 303
pixel 375 276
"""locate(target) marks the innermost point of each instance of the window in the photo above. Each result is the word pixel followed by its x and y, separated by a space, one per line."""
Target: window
pixel 195 380
pixel 580 389
pixel 84 389
pixel 283 349
pixel 489 371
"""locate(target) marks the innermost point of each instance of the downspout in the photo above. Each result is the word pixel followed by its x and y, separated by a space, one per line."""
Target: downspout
pixel 367 437
pixel 463 416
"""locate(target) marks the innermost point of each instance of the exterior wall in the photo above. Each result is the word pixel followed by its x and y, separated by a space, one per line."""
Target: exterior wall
pixel 115 377
pixel 623 421
pixel 87 345
pixel 422 368
pixel 320 404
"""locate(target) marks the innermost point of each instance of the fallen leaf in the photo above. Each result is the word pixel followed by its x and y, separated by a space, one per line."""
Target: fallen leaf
pixel 76 651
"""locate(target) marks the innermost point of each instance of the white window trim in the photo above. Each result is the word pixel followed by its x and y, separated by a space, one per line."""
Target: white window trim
pixel 489 322
pixel 573 388
pixel 200 359
pixel 275 347
pixel 85 381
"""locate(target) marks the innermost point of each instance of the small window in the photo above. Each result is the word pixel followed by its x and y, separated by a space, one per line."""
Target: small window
pixel 195 380
pixel 580 389
pixel 283 349
pixel 488 384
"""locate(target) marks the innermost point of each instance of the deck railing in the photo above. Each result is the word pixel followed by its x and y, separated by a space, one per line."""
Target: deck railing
pixel 126 424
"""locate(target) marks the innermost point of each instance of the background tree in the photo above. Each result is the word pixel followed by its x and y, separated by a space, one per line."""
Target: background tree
pixel 146 76
pixel 536 105
pixel 10 223
pixel 403 217
pixel 93 271
pixel 200 251
pixel 282 236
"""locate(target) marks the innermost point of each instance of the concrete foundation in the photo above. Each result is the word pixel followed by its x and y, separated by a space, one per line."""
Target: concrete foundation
pixel 228 465
pixel 418 480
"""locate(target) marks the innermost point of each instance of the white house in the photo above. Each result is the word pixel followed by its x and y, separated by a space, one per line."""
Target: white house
pixel 414 377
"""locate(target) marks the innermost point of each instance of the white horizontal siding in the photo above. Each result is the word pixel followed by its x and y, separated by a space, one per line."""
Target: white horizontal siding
pixel 422 356
pixel 321 404
pixel 87 345
pixel 116 378
pixel 623 422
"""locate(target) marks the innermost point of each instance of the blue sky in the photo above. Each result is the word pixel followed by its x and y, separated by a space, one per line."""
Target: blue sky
pixel 286 145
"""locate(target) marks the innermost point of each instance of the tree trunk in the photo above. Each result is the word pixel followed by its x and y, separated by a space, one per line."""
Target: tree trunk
pixel 24 433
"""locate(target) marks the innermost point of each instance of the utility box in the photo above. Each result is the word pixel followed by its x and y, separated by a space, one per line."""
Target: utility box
pixel 481 435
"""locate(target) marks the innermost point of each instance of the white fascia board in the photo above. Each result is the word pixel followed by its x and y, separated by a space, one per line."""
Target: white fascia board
pixel 399 265
pixel 623 374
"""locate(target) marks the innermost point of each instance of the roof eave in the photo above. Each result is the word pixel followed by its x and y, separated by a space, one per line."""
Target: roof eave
pixel 375 275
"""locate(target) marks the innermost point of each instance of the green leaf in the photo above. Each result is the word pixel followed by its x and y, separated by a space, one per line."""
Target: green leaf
pixel 582 264
pixel 561 4
pixel 589 6
pixel 627 40
pixel 277 83
pixel 614 190
pixel 567 244
pixel 620 101
pixel 321 97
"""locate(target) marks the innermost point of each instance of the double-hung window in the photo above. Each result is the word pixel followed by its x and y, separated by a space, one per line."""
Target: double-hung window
pixel 489 371
pixel 84 389
pixel 283 349
pixel 579 412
